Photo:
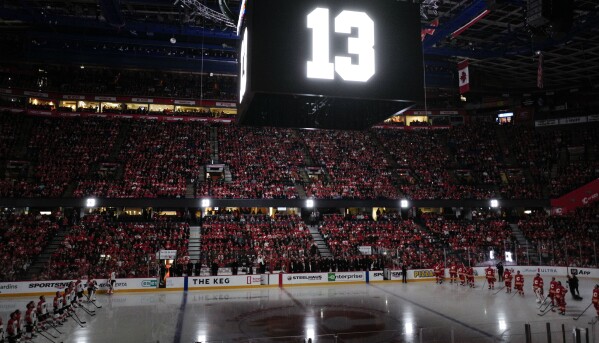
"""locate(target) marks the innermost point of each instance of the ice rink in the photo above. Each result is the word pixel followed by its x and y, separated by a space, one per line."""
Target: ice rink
pixel 376 312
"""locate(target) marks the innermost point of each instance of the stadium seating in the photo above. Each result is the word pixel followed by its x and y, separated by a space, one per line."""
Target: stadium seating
pixel 99 244
pixel 22 238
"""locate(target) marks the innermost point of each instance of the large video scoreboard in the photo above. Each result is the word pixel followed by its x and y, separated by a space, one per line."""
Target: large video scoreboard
pixel 328 63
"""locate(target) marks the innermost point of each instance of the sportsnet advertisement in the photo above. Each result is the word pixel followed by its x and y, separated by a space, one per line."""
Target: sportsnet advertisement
pixel 314 278
pixel 224 281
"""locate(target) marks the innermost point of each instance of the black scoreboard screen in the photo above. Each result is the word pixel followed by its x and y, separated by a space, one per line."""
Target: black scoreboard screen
pixel 328 63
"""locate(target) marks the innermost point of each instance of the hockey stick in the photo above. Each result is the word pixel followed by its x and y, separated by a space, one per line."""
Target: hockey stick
pixel 499 290
pixel 54 327
pixel 51 335
pixel 545 312
pixel 580 315
pixel 547 306
pixel 484 283
pixel 516 292
pixel 87 311
pixel 543 301
pixel 98 306
pixel 46 337
pixel 79 319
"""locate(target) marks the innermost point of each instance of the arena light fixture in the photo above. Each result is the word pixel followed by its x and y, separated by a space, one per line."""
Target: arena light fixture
pixel 310 203
pixel 494 203
pixel 404 203
pixel 205 203
pixel 90 202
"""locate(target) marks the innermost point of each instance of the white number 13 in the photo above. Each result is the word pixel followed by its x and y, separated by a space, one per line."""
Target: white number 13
pixel 363 46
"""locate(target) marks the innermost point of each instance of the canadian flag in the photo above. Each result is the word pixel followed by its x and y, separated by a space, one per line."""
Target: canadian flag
pixel 464 77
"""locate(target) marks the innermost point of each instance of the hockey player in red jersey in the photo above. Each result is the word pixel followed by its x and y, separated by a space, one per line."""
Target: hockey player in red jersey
pixel 462 274
pixel 439 271
pixel 596 299
pixel 560 297
pixel 507 279
pixel 519 283
pixel 470 276
pixel 552 287
pixel 490 274
pixel 537 287
pixel 453 272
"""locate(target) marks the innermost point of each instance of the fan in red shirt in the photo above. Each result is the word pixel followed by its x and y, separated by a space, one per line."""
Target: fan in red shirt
pixel 596 299
pixel 490 274
pixel 552 287
pixel 439 271
pixel 537 287
pixel 453 272
pixel 507 278
pixel 519 283
pixel 560 298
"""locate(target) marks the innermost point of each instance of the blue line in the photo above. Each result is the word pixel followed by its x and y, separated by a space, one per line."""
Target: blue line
pixel 435 312
pixel 180 317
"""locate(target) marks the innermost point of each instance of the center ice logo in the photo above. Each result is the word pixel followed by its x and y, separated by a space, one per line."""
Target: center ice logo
pixel 332 277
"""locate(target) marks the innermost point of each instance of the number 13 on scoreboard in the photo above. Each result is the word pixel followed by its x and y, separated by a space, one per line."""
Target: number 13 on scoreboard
pixel 363 45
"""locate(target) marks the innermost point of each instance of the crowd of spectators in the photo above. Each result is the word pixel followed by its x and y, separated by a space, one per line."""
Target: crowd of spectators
pixel 164 159
pixel 279 242
pixel 99 244
pixel 564 240
pixel 158 160
pixel 263 162
pixel 22 238
pixel 356 168
pixel 65 150
pixel 388 235
pixel 471 239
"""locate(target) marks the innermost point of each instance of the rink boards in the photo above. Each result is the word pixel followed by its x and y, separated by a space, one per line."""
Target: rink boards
pixel 32 288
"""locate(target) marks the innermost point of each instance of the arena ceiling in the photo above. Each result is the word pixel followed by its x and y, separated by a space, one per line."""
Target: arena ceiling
pixel 501 47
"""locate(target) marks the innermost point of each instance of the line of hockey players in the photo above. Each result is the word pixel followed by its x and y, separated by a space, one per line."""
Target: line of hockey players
pixel 557 291
pixel 39 318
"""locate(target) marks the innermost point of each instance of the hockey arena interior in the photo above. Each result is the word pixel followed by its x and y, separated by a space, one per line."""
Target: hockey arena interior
pixel 299 171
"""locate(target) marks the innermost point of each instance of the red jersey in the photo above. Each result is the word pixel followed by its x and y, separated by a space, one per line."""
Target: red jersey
pixel 453 268
pixel 461 270
pixel 519 279
pixel 470 271
pixel 537 282
pixel 596 296
pixel 507 276
pixel 560 292
pixel 490 273
pixel 552 287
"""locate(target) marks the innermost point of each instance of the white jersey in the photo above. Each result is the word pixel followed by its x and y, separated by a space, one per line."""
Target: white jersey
pixel 42 307
pixel 112 276
pixel 80 287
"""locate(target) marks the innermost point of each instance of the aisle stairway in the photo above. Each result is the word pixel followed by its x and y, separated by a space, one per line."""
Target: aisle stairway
pixel 44 258
pixel 319 240
pixel 524 243
pixel 194 243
